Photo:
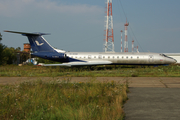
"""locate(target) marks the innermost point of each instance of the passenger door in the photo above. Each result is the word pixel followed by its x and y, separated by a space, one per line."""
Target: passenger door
pixel 151 58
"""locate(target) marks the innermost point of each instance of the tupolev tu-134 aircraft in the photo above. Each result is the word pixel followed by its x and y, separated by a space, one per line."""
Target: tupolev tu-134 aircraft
pixel 41 48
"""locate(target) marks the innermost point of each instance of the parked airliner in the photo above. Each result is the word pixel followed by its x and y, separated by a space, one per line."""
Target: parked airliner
pixel 41 48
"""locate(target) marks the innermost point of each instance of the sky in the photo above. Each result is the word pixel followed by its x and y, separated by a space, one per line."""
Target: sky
pixel 78 25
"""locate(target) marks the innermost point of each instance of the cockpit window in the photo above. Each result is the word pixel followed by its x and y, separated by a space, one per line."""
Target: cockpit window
pixel 165 56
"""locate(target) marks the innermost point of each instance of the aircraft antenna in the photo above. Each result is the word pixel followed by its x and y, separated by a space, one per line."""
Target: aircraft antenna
pixel 109 36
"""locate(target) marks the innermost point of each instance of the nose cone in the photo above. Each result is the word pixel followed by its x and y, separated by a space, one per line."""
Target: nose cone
pixel 171 60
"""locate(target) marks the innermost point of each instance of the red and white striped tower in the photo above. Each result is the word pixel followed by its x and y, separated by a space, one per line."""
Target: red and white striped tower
pixel 137 49
pixel 109 37
pixel 121 40
pixel 132 45
pixel 126 41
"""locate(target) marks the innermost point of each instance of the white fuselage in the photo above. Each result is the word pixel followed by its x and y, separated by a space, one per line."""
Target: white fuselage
pixel 122 58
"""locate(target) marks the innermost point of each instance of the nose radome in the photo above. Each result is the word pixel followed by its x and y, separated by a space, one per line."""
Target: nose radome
pixel 171 61
pixel 175 61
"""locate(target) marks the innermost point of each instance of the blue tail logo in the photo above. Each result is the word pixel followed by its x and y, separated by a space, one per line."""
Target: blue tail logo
pixel 39 44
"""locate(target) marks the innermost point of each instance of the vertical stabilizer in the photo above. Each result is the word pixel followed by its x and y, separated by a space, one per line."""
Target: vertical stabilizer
pixel 37 42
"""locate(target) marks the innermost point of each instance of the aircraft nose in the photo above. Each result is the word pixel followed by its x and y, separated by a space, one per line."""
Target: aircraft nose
pixel 175 61
pixel 171 60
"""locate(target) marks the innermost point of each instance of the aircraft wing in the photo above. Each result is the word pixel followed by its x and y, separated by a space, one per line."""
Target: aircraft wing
pixel 70 64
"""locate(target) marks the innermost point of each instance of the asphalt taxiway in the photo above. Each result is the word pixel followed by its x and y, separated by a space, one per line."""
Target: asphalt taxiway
pixel 153 99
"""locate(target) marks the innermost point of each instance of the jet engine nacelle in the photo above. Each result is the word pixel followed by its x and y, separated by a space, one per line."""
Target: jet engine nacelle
pixel 51 55
pixel 59 56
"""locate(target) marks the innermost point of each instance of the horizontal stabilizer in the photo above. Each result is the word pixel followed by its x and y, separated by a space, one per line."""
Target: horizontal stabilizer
pixel 28 34
pixel 70 64
pixel 37 41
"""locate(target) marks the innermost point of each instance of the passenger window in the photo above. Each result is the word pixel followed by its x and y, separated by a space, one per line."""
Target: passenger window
pixel 137 57
pixel 127 57
pixel 117 56
pixel 89 56
pixel 100 56
pixel 122 57
pixel 108 56
pixel 131 57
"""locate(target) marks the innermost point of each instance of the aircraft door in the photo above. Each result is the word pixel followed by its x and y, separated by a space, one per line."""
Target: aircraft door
pixel 100 57
pixel 151 58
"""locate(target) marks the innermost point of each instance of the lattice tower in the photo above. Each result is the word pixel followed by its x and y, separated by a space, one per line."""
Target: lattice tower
pixel 126 41
pixel 109 36
pixel 121 41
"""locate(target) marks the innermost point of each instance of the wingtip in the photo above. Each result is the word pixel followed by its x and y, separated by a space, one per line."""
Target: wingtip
pixel 9 31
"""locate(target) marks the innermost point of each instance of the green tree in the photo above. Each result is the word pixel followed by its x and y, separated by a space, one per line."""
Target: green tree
pixel 2 47
pixel 9 55
pixel 0 37
pixel 18 49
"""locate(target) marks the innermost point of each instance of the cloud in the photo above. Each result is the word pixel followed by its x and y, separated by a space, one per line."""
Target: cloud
pixel 14 8
pixel 67 22
pixel 11 8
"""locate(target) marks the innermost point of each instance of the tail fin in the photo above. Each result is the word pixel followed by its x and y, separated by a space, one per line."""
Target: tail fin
pixel 37 42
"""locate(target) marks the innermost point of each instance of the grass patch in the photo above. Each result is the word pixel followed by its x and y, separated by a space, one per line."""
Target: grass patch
pixel 98 71
pixel 63 100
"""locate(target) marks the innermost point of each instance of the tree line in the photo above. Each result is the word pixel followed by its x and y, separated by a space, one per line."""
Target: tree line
pixel 7 54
